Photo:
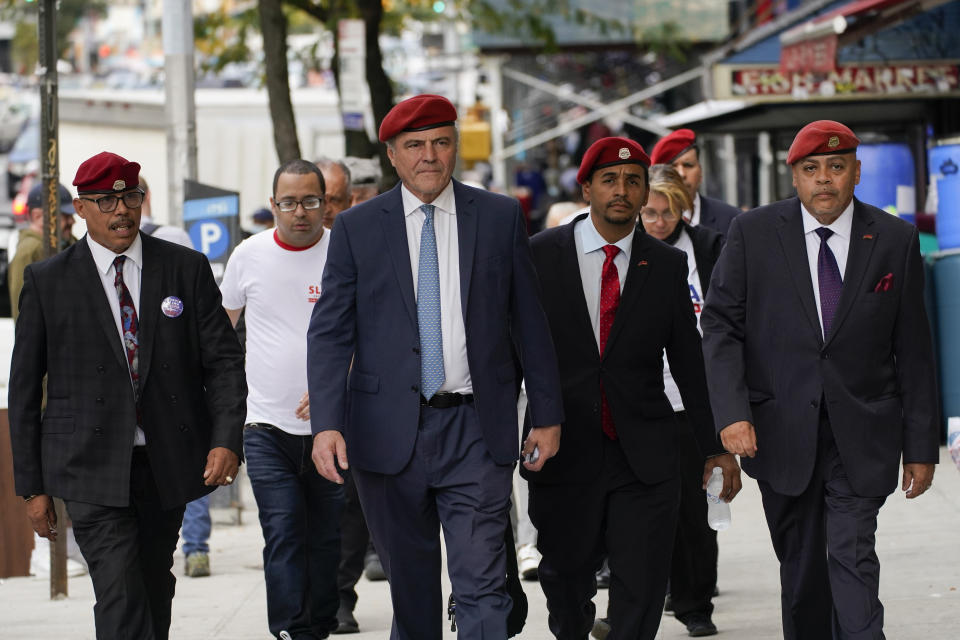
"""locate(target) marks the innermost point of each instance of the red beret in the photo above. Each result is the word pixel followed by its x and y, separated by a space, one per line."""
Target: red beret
pixel 670 146
pixel 105 173
pixel 418 113
pixel 820 138
pixel 607 152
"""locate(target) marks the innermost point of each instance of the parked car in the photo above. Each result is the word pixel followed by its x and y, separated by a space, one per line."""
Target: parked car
pixel 24 157
pixel 13 117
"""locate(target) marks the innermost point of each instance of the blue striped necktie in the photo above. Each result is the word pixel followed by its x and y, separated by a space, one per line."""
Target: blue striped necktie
pixel 432 374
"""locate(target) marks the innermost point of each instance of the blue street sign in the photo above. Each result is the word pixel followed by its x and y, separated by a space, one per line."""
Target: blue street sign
pixel 217 207
pixel 210 237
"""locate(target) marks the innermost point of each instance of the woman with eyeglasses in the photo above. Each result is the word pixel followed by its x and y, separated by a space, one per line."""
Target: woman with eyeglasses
pixel 693 575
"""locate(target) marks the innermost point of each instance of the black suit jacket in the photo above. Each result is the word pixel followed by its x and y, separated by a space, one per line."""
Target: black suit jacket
pixel 716 214
pixel 655 313
pixel 707 245
pixel 768 363
pixel 191 376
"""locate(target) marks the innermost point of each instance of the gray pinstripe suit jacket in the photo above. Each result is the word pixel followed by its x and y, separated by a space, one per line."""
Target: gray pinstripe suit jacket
pixel 191 374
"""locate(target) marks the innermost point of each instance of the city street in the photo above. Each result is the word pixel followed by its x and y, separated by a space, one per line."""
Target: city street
pixel 916 542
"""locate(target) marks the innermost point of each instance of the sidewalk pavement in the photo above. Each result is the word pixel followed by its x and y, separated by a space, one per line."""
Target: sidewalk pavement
pixel 917 544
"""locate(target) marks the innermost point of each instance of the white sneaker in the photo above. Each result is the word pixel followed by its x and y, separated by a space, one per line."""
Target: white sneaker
pixel 528 561
pixel 40 559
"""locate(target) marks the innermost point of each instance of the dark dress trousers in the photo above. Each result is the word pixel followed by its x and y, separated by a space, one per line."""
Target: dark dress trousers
pixel 417 467
pixel 693 571
pixel 126 507
pixel 832 415
pixel 716 214
pixel 620 498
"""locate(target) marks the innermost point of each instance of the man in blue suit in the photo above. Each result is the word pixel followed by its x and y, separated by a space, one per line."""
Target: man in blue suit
pixel 429 297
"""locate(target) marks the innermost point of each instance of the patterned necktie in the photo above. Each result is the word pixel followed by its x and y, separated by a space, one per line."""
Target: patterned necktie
pixel 828 273
pixel 131 327
pixel 609 301
pixel 432 374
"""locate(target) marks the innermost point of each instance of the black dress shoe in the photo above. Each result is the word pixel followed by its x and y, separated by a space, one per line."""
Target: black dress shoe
pixel 603 576
pixel 601 628
pixel 372 568
pixel 700 625
pixel 346 623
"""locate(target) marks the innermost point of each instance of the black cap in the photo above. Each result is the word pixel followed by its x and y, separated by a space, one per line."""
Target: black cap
pixel 35 198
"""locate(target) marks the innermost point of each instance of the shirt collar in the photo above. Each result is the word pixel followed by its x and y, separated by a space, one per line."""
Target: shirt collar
pixel 593 241
pixel 841 226
pixel 445 202
pixel 104 257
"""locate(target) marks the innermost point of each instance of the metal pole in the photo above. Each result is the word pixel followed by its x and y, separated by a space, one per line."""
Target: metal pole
pixel 180 110
pixel 49 156
pixel 50 172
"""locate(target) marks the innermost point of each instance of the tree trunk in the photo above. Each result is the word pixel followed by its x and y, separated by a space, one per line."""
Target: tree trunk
pixel 381 91
pixel 273 26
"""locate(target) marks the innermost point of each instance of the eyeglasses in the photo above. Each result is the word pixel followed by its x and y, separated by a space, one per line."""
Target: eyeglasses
pixel 311 202
pixel 652 216
pixel 107 204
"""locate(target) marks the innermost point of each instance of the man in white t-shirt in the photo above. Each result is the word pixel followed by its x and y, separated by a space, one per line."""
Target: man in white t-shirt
pixel 275 276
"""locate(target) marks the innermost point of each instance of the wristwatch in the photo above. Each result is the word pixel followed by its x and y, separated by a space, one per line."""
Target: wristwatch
pixel 30 497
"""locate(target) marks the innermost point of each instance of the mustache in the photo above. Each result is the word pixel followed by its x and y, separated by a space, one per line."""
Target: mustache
pixel 622 201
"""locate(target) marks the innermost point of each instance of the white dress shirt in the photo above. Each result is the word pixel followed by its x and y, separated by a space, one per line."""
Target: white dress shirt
pixel 455 365
pixel 132 267
pixel 591 256
pixel 839 244
pixel 692 216
pixel 685 243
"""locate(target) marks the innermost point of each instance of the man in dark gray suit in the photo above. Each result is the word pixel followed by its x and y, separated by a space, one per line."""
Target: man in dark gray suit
pixel 821 374
pixel 145 397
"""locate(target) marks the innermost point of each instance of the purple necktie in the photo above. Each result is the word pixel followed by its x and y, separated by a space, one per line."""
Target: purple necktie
pixel 131 328
pixel 828 273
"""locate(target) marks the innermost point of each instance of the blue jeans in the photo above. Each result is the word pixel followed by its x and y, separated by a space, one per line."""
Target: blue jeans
pixel 300 518
pixel 196 526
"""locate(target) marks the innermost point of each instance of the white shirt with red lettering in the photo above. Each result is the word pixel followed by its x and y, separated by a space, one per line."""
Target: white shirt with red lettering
pixel 278 285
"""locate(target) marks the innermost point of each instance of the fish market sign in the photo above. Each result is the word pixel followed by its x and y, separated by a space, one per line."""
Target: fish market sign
pixel 921 79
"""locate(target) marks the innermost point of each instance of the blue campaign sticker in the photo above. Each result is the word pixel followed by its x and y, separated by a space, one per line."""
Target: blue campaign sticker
pixel 172 306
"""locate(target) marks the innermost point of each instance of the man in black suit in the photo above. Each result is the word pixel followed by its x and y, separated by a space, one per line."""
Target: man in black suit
pixel 821 381
pixel 679 149
pixel 615 299
pixel 145 397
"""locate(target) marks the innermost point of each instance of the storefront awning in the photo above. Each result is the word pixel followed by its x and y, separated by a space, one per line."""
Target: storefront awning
pixel 812 46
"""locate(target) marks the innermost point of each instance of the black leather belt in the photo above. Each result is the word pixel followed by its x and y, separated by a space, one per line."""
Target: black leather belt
pixel 446 400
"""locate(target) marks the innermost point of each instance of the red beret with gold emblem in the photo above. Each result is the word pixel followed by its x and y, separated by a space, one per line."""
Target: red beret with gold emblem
pixel 672 145
pixel 607 152
pixel 419 113
pixel 821 138
pixel 105 173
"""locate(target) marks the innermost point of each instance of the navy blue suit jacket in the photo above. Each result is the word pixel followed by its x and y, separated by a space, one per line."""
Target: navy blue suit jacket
pixel 716 214
pixel 363 344
pixel 768 362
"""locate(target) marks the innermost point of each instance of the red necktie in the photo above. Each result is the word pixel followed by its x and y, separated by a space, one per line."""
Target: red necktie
pixel 609 301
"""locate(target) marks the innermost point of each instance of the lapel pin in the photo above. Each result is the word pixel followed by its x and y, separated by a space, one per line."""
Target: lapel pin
pixel 868 236
pixel 642 263
pixel 172 306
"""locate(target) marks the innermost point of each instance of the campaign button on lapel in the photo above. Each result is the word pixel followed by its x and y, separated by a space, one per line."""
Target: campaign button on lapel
pixel 172 306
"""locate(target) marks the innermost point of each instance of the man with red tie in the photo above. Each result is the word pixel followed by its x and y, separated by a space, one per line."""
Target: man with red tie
pixel 821 374
pixel 615 298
